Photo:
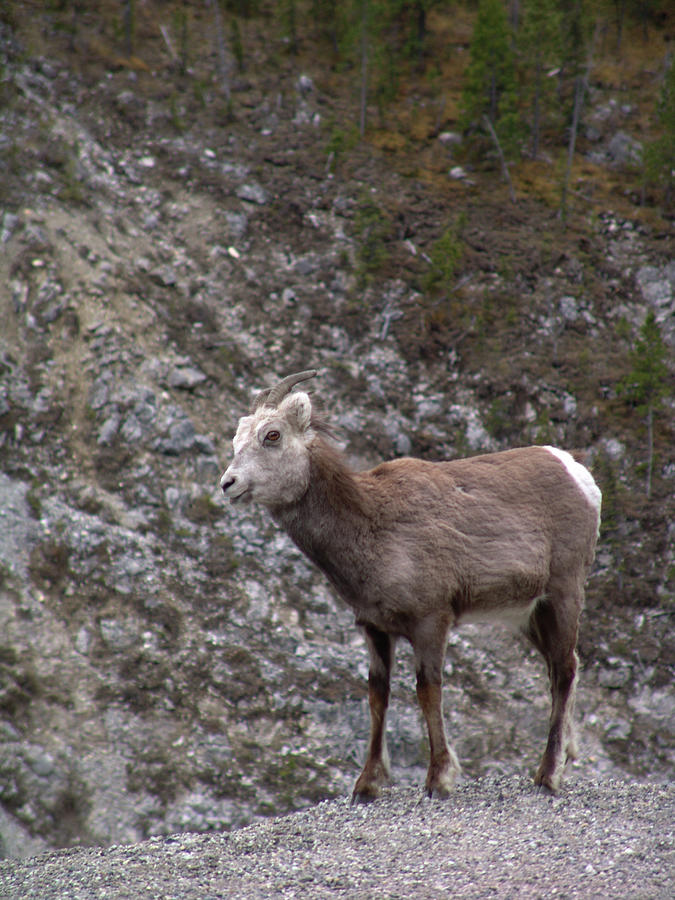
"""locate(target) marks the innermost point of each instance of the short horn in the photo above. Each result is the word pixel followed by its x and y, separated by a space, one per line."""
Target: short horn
pixel 260 399
pixel 274 396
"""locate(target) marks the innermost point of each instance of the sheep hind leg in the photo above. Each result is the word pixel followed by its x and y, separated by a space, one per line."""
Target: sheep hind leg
pixel 375 774
pixel 553 629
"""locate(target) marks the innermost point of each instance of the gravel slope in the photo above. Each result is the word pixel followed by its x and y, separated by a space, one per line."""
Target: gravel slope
pixel 497 837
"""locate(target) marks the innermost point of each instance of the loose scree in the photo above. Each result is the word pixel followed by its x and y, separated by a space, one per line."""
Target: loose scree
pixel 416 548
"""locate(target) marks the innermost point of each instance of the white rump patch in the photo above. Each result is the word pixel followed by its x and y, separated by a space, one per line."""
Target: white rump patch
pixel 581 475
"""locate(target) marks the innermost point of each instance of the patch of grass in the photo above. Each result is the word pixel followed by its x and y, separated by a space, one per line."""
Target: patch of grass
pixel 389 141
pixel 221 560
pixel 545 431
pixel 33 498
pixel 177 113
pixel 163 521
pixel 499 418
pixel 203 511
pixel 49 563
pixel 341 141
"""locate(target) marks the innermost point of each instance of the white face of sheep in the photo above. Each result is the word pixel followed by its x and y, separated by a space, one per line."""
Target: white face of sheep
pixel 271 459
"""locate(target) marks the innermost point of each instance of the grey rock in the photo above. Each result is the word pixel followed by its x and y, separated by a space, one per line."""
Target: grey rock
pixel 617 729
pixel 83 641
pixel 237 223
pixel 252 192
pixel 396 429
pixel 17 526
pixel 656 286
pixel 8 226
pixel 118 636
pixel 624 150
pixel 450 138
pixel 670 272
pixel 306 266
pixel 17 841
pixel 182 436
pixel 204 445
pixel 616 676
pixel 41 762
pixel 569 308
pixel 100 392
pixel 131 430
pixel 614 448
pixel 178 434
pixel 109 429
pixel 304 84
pixel 186 378
pixel 165 275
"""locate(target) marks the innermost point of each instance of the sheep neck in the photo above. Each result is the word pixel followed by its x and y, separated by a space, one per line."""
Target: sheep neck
pixel 331 522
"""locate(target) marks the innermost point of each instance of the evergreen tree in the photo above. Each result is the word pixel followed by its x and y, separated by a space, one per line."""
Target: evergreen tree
pixel 577 43
pixel 376 40
pixel 646 385
pixel 356 27
pixel 326 18
pixel 576 31
pixel 659 156
pixel 129 25
pixel 289 18
pixel 646 10
pixel 410 18
pixel 489 80
pixel 539 42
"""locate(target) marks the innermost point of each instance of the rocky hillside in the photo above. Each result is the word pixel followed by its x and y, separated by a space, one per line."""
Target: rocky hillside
pixel 168 663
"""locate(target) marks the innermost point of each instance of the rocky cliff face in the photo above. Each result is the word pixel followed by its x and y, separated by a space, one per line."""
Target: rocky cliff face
pixel 169 663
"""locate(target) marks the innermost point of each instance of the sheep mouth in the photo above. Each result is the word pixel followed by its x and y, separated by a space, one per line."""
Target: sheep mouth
pixel 236 498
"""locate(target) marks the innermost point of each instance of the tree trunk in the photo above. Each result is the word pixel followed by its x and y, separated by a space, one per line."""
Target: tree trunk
pixel 620 16
pixel 223 67
pixel 364 67
pixel 493 96
pixel 505 168
pixel 515 14
pixel 650 448
pixel 129 25
pixel 536 112
pixel 421 32
pixel 578 99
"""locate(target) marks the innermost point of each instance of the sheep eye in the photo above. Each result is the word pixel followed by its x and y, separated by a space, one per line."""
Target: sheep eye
pixel 272 436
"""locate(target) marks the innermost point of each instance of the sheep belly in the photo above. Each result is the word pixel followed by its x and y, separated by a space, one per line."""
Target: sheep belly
pixel 513 617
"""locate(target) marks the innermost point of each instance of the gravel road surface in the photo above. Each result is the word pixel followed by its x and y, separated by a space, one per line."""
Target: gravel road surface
pixel 496 837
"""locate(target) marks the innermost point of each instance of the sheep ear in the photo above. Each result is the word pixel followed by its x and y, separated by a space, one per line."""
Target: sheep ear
pixel 298 408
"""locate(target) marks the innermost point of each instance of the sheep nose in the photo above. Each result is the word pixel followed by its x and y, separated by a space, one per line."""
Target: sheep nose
pixel 226 483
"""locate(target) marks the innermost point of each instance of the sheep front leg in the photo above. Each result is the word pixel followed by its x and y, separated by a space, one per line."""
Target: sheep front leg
pixel 429 647
pixel 375 772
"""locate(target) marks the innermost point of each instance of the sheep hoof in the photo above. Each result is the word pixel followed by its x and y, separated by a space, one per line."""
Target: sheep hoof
pixel 365 796
pixel 547 782
pixel 441 786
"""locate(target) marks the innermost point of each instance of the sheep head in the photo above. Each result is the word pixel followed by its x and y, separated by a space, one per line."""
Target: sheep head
pixel 271 456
